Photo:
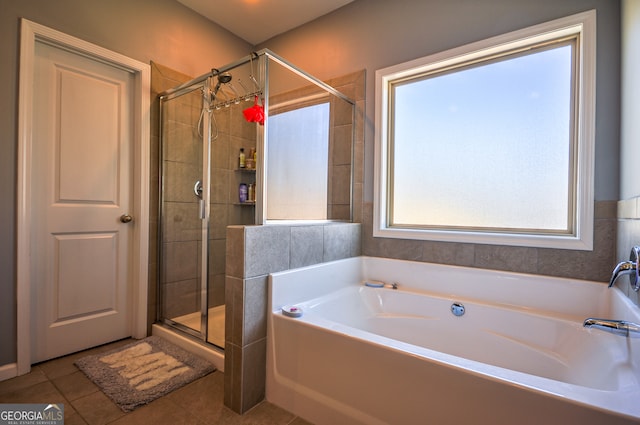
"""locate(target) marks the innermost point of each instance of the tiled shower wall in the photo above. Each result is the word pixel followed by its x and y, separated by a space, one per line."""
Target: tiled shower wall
pixel 340 159
pixel 162 79
pixel 231 133
pixel 181 234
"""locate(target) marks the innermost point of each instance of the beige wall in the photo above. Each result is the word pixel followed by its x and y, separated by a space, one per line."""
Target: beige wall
pixel 146 30
pixel 374 34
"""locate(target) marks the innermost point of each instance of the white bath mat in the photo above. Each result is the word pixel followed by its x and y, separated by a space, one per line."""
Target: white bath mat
pixel 143 371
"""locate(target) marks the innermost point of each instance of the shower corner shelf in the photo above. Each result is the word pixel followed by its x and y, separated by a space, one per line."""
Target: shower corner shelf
pixel 245 170
pixel 245 204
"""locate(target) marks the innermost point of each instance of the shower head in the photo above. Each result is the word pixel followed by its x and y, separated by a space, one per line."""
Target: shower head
pixel 223 78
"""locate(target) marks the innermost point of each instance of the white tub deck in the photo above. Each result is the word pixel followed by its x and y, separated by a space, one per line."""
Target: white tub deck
pixel 519 354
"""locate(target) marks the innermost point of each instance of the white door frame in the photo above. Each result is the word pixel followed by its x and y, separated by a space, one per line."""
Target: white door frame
pixel 31 33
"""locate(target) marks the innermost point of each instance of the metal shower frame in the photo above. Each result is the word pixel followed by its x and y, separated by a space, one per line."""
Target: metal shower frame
pixel 210 101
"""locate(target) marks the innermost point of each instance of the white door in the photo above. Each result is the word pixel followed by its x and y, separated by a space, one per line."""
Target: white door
pixel 81 190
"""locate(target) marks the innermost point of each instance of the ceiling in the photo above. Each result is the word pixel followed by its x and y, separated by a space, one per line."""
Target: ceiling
pixel 258 20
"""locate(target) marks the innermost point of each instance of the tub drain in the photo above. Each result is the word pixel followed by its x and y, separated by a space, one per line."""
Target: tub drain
pixel 457 309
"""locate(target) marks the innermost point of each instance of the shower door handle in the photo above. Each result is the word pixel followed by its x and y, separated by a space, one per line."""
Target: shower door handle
pixel 197 189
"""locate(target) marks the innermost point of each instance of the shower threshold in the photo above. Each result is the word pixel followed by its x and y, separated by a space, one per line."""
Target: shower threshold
pixel 208 351
pixel 215 326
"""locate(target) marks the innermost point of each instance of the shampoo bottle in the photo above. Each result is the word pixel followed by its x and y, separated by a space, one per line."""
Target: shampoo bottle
pixel 251 196
pixel 242 193
pixel 241 159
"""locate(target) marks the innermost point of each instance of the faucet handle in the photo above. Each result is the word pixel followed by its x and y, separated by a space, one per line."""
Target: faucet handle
pixel 622 268
pixel 634 278
pixel 629 268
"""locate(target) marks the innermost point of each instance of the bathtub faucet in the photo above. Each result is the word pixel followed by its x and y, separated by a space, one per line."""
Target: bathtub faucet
pixel 618 327
pixel 628 268
pixel 624 267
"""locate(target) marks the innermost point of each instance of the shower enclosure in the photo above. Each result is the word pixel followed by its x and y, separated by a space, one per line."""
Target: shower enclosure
pixel 296 136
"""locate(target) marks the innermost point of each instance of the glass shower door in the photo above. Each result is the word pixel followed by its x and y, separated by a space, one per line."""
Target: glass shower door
pixel 184 195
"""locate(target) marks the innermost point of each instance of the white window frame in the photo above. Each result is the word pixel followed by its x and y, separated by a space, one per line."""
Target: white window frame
pixel 582 25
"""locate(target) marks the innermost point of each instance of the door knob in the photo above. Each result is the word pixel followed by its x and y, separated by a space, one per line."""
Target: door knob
pixel 126 218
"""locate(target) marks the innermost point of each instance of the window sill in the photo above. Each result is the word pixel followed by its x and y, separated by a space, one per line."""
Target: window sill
pixel 582 242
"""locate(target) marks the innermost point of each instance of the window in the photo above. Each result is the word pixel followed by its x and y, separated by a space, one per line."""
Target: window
pixel 491 142
pixel 298 154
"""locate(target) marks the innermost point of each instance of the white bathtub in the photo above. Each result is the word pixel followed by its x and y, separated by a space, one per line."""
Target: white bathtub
pixel 518 355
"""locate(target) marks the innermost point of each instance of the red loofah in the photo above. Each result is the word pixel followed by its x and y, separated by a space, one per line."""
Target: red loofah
pixel 254 113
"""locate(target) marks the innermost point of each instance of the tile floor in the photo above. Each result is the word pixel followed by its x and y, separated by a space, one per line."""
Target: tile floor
pixel 198 403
